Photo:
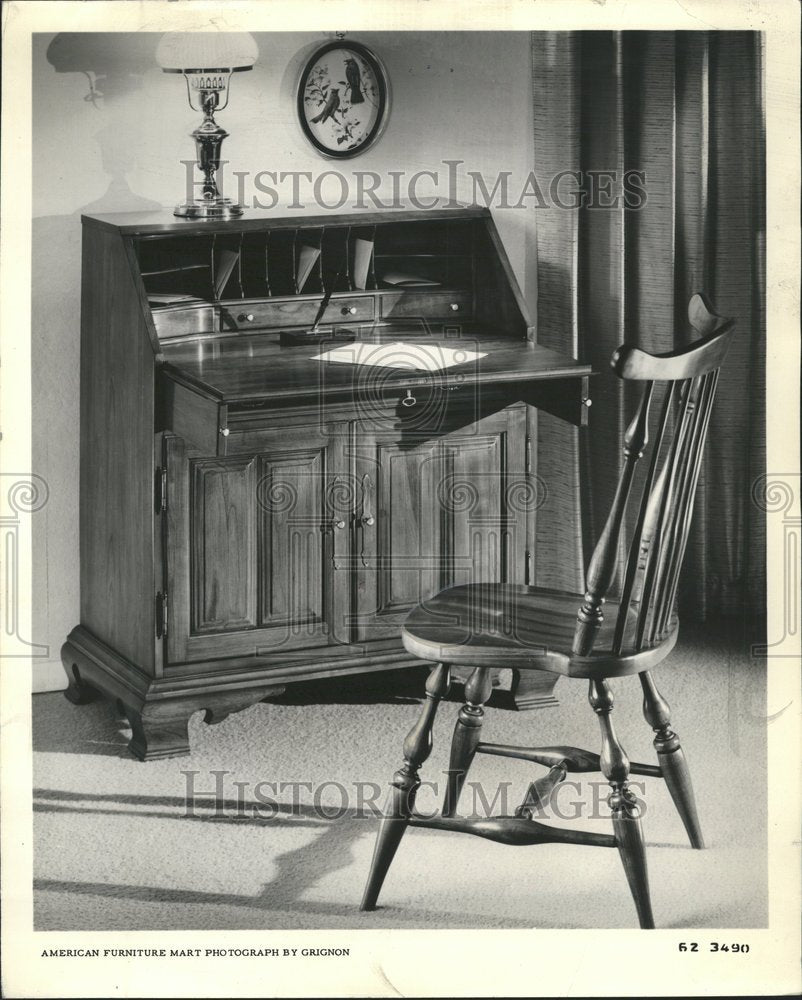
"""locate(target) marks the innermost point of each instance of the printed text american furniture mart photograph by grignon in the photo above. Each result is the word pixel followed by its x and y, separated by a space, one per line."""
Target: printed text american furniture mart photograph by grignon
pixel 399 419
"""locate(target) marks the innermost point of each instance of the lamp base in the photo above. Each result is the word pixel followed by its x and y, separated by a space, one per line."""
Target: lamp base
pixel 221 208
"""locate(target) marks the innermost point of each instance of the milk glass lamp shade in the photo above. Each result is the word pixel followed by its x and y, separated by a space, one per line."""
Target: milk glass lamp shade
pixel 207 60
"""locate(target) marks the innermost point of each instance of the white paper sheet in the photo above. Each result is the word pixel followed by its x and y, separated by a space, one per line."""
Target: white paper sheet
pixel 306 261
pixel 363 251
pixel 419 357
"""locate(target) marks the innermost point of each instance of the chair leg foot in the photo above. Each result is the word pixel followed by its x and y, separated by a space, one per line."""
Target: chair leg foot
pixel 392 829
pixel 677 777
pixel 631 848
pixel 466 736
pixel 678 781
pixel 417 747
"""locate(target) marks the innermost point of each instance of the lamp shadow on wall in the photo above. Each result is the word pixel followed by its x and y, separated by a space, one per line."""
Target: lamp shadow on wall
pixel 114 65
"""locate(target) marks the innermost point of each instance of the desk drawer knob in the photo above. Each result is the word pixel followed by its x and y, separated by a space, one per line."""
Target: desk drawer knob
pixel 454 306
pixel 348 310
pixel 225 431
pixel 245 318
pixel 587 401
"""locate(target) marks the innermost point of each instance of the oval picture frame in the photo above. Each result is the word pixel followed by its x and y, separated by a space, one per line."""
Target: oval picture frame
pixel 332 120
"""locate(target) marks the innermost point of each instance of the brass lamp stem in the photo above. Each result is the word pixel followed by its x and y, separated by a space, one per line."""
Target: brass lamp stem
pixel 208 142
pixel 208 138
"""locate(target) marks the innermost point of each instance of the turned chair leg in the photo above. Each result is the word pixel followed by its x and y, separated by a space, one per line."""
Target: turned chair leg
pixel 677 777
pixel 626 817
pixel 405 784
pixel 466 736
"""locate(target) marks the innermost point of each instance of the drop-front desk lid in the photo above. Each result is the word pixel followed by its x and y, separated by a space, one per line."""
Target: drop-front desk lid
pixel 257 368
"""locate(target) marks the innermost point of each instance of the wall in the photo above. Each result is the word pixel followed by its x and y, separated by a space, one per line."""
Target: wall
pixel 455 95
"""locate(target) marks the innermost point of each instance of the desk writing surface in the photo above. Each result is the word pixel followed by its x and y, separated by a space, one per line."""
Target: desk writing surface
pixel 257 367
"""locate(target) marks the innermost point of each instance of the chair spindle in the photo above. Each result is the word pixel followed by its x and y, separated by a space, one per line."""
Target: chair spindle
pixel 685 508
pixel 603 563
pixel 656 515
pixel 679 458
pixel 639 545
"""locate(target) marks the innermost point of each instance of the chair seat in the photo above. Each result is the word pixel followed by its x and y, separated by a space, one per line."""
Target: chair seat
pixel 531 628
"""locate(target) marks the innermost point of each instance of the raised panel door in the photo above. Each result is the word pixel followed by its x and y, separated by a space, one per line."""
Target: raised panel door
pixel 256 547
pixel 457 509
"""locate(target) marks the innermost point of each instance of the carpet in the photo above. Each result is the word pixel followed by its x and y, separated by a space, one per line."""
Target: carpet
pixel 270 822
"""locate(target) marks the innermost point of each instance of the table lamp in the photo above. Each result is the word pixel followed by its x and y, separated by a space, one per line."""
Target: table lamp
pixel 207 60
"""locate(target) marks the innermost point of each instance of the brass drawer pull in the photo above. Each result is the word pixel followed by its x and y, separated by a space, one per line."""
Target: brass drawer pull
pixel 367 520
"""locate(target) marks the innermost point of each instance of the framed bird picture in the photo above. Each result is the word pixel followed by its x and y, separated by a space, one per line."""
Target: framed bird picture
pixel 343 99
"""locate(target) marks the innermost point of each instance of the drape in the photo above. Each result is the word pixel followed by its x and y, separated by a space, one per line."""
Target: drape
pixel 685 109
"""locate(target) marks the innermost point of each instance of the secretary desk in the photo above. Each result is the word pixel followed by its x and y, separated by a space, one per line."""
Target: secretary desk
pixel 251 515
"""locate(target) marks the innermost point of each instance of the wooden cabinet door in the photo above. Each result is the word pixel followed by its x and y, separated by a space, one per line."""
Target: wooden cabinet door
pixel 482 501
pixel 256 545
pixel 458 509
pixel 397 533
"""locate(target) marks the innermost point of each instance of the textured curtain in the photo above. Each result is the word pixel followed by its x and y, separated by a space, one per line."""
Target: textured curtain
pixel 685 110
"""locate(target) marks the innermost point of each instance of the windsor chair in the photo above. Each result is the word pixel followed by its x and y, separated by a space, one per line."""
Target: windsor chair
pixel 505 625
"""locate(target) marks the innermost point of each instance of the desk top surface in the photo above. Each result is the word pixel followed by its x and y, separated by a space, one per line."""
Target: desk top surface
pixel 257 367
pixel 162 221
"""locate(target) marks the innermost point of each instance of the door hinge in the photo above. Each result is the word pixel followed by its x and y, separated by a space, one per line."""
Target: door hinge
pixel 161 615
pixel 160 488
pixel 529 572
pixel 528 446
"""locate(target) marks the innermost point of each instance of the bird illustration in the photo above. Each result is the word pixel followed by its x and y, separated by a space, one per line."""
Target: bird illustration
pixel 354 78
pixel 331 105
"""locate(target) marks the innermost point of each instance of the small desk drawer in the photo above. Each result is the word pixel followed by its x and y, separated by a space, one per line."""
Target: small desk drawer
pixel 185 321
pixel 293 312
pixel 198 418
pixel 428 305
